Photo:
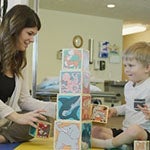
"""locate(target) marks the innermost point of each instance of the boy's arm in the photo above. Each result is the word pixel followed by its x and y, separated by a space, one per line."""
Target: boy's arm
pixel 120 110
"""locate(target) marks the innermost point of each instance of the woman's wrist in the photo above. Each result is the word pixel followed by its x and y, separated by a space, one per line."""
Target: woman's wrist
pixel 13 116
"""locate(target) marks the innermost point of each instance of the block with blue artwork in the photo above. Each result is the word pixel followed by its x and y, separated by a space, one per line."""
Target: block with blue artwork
pixel 73 107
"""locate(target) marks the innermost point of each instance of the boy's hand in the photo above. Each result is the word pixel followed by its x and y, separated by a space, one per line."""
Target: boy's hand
pixel 145 109
pixel 112 112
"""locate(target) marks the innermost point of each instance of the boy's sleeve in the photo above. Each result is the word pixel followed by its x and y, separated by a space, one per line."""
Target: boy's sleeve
pixel 120 109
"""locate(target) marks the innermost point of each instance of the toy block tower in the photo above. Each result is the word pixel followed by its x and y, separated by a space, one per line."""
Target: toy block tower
pixel 72 129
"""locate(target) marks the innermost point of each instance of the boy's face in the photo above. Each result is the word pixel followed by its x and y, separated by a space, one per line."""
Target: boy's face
pixel 135 71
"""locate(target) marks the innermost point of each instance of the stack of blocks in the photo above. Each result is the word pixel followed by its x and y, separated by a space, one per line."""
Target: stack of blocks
pixel 72 128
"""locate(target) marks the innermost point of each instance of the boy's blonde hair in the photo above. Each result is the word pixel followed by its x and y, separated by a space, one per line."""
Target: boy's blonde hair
pixel 139 51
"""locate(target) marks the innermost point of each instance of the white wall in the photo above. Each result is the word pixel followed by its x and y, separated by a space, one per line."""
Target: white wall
pixel 57 32
pixel 12 3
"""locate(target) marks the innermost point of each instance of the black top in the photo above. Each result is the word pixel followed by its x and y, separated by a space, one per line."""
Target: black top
pixel 7 86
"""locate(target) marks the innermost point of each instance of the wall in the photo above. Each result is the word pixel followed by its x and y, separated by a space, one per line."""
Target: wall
pixel 15 2
pixel 58 30
pixel 130 39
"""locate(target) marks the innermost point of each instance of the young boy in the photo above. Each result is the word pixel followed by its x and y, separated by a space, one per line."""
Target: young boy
pixel 136 125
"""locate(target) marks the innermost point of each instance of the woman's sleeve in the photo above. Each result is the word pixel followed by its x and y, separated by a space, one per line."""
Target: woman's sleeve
pixel 28 103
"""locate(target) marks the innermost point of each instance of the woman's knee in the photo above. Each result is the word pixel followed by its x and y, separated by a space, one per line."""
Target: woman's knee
pixel 17 133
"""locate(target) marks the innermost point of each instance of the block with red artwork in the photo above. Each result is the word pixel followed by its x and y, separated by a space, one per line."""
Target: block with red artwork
pixel 99 113
pixel 42 131
pixel 74 82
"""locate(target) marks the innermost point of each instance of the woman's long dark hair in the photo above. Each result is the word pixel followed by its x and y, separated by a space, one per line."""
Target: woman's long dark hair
pixel 15 20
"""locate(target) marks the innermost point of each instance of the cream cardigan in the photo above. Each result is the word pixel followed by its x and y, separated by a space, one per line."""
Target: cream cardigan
pixel 22 100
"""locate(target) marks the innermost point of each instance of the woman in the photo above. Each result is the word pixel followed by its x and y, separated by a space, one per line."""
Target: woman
pixel 17 31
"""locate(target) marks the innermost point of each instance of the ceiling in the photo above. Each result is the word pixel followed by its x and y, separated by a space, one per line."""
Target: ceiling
pixel 130 11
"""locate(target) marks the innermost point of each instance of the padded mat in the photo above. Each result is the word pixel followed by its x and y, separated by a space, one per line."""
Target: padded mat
pixel 36 144
pixel 8 146
pixel 40 144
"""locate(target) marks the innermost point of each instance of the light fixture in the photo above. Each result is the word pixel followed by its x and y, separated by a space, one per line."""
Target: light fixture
pixel 111 5
pixel 133 28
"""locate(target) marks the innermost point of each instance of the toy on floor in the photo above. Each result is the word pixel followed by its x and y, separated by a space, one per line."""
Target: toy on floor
pixel 141 145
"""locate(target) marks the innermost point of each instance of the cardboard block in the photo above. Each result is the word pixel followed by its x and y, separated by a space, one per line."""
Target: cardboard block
pixel 69 135
pixel 75 59
pixel 99 113
pixel 74 82
pixel 141 145
pixel 42 131
pixel 73 106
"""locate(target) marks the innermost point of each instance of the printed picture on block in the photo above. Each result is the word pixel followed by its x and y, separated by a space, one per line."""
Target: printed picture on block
pixel 72 59
pixel 141 145
pixel 67 136
pixel 86 106
pixel 71 82
pixel 86 135
pixel 68 107
pixel 42 131
pixel 99 113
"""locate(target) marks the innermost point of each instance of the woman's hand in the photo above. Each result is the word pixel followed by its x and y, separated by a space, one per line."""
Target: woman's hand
pixel 29 118
pixel 145 110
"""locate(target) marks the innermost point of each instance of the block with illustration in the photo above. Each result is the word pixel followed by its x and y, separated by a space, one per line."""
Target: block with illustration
pixel 75 59
pixel 42 131
pixel 73 106
pixel 69 135
pixel 141 145
pixel 74 82
pixel 99 113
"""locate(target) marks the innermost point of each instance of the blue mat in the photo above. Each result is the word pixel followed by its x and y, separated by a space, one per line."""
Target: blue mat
pixel 8 146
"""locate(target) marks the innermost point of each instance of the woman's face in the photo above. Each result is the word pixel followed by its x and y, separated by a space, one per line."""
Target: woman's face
pixel 25 38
